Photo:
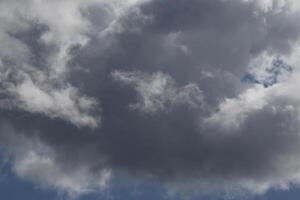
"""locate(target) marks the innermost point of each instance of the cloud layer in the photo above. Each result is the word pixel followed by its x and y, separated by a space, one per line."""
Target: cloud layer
pixel 198 94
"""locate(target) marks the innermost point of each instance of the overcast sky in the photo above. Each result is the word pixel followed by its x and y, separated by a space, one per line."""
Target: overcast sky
pixel 172 99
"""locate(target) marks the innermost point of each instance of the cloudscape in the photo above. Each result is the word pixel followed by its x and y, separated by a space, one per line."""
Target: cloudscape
pixel 193 96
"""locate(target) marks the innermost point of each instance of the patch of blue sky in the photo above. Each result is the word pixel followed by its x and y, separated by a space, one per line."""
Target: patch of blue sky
pixel 273 72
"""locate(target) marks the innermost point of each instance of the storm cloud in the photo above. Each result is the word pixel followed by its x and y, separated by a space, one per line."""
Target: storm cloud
pixel 198 94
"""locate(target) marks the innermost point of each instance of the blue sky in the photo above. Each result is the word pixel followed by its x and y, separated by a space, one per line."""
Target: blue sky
pixel 13 188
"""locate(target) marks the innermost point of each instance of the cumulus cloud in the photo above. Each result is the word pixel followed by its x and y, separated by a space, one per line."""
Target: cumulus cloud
pixel 200 96
pixel 38 85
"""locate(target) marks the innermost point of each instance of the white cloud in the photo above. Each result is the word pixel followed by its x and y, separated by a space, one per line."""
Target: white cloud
pixel 44 89
pixel 158 91
pixel 282 96
pixel 64 103
pixel 43 169
pixel 232 112
pixel 33 160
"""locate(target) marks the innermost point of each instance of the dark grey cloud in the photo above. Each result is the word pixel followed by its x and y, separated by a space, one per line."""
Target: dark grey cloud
pixel 151 89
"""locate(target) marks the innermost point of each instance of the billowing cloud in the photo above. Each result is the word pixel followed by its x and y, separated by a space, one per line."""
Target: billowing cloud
pixel 198 95
pixel 38 37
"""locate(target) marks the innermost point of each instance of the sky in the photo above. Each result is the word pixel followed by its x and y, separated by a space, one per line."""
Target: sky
pixel 149 99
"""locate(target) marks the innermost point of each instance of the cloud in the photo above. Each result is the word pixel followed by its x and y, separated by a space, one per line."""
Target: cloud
pixel 33 160
pixel 38 85
pixel 153 90
pixel 158 91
